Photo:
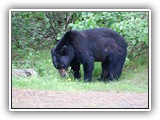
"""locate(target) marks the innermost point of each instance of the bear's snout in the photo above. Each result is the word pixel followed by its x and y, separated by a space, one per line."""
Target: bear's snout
pixel 62 72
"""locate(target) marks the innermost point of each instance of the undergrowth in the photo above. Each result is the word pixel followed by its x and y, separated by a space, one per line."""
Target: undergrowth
pixel 134 77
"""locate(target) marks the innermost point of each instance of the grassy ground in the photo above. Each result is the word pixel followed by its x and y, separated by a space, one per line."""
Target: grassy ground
pixel 134 77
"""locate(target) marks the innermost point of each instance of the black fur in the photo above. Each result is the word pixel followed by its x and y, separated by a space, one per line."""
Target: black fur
pixel 85 47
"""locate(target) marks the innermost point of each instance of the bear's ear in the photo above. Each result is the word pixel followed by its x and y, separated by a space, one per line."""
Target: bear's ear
pixel 68 36
pixel 63 51
pixel 68 33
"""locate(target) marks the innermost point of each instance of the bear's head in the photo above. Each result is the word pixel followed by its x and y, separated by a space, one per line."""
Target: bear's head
pixel 62 55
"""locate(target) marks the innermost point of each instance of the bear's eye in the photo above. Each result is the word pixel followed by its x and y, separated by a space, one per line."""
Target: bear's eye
pixel 62 66
pixel 57 55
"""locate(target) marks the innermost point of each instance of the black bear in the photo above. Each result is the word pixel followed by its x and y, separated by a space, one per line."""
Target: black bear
pixel 85 47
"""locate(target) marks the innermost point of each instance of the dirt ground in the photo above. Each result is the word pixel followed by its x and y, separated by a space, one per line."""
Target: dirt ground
pixel 22 98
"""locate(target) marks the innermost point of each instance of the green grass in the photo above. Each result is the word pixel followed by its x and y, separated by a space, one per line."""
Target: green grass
pixel 134 78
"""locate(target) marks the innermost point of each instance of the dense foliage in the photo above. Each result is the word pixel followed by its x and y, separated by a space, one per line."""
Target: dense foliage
pixel 41 30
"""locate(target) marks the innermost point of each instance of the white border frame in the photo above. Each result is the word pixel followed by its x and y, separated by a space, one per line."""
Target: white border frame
pixel 85 109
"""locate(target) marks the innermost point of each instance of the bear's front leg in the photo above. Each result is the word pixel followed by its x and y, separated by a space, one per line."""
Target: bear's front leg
pixel 75 66
pixel 88 68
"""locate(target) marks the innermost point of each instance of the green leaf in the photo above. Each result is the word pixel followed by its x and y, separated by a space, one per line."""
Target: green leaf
pixel 30 53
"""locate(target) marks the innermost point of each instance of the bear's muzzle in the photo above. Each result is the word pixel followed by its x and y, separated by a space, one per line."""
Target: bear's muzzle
pixel 62 72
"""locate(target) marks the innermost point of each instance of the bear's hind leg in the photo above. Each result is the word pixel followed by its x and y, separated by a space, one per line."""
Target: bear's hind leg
pixel 114 71
pixel 104 74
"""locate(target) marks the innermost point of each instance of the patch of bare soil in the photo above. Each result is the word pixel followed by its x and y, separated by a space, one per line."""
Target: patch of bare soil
pixel 22 98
